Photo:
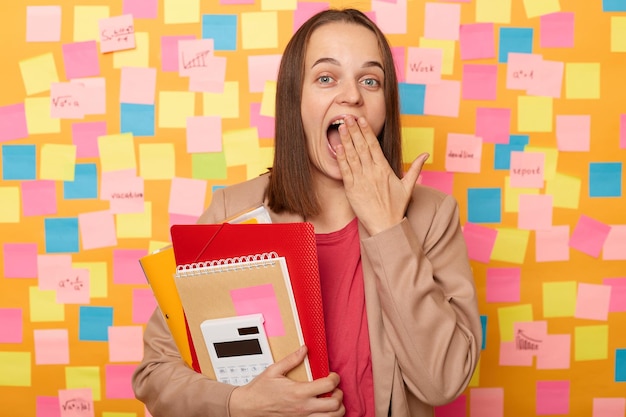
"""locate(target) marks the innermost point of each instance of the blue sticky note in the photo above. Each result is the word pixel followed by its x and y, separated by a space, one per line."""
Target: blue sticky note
pixel 614 5
pixel 484 205
pixel 412 98
pixel 94 323
pixel 19 162
pixel 222 28
pixel 483 322
pixel 137 119
pixel 85 184
pixel 620 365
pixel 61 235
pixel 519 40
pixel 605 179
pixel 502 154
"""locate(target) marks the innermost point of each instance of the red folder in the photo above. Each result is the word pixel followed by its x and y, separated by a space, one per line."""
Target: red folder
pixel 294 241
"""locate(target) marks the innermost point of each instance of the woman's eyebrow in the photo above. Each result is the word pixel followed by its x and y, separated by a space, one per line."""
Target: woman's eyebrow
pixel 333 61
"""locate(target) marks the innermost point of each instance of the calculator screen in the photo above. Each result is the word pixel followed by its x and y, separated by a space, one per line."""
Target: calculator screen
pixel 238 348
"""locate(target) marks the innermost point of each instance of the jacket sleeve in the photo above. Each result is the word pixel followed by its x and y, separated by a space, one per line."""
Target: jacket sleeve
pixel 428 299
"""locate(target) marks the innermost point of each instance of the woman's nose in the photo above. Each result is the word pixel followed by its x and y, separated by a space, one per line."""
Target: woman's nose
pixel 350 93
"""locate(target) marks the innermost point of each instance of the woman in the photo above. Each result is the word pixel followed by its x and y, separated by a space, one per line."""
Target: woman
pixel 400 309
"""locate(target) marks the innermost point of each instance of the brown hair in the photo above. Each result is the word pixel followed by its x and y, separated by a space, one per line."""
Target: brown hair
pixel 290 187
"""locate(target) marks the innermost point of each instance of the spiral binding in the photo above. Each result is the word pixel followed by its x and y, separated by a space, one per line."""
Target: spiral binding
pixel 227 265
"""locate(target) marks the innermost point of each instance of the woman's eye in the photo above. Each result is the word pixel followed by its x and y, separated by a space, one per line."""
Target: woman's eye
pixel 371 82
pixel 325 79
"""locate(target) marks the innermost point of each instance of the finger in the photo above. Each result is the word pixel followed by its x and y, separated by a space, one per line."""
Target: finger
pixel 410 177
pixel 358 135
pixel 288 363
pixel 330 404
pixel 351 153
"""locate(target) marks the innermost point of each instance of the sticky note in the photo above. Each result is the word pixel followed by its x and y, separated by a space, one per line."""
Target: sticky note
pixel 442 181
pixel 511 245
pixel 97 229
pixel 15 369
pixel 117 152
pixel 94 323
pixel 76 401
pixel 592 301
pixel 86 20
pixel 412 98
pixel 556 30
pixel 260 299
pixel 559 299
pixel 170 51
pixel 125 343
pixel 268 101
pixel 552 245
pixel 553 397
pixel 157 161
pixel 573 132
pixel 618 293
pixel 81 59
pixel 175 107
pixel 118 381
pixel 13 122
pixel 487 402
pixel 512 195
pixel 51 347
pixel 480 82
pixel 605 179
pixel 424 65
pixel 139 56
pixel 98 277
pixel 514 39
pixel 302 13
pixel 85 378
pixel 399 61
pixel 493 11
pixel 508 316
pixel 38 73
pixel 549 79
pixel 502 156
pixel 618 31
pixel 480 241
pixel 503 285
pixel 43 23
pixel 613 6
pixel 622 131
pixel 535 8
pixel 527 169
pixel 19 162
pixel 137 119
pixel 259 30
pixel 556 352
pixel 442 21
pixel 620 365
pixel 565 189
pixel 67 100
pixel 449 52
pixel 204 134
pixel 391 17
pixel 137 85
pixel 117 33
pixel 44 307
pixel 614 247
pixel 181 11
pixel 208 166
pixel 493 125
pixel 477 41
pixel 38 117
pixel 222 28
pixel 264 68
pixel 443 98
pixel 534 114
pixel 264 124
pixel 484 205
pixel 589 235
pixel 582 80
pixel 141 9
pixel 124 190
pixel 9 205
pixel 225 105
pixel 11 323
pixel 94 97
pixel 58 162
pixel 84 185
pixel 240 146
pixel 591 343
pixel 210 78
pixel 522 70
pixel 463 153
pixel 135 225
pixel 193 55
pixel 61 234
pixel 143 305
pixel 187 196
pixel 609 407
pixel 126 267
pixel 20 260
pixel 53 269
pixel 535 212
pixel 415 141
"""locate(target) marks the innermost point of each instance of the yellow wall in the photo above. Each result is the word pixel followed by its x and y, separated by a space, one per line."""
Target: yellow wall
pixel 49 347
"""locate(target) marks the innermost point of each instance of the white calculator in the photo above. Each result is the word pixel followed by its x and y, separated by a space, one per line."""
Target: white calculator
pixel 238 347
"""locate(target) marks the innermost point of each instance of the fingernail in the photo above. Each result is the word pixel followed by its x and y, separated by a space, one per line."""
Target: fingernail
pixel 362 121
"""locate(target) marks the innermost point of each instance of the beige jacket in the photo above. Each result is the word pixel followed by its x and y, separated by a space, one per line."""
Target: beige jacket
pixel 425 330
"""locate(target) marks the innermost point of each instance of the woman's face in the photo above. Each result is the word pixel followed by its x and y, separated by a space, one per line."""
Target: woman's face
pixel 343 76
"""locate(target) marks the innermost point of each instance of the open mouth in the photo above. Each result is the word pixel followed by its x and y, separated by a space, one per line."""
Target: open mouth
pixel 333 134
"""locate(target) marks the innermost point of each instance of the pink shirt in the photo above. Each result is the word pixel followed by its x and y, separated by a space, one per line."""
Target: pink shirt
pixel 347 334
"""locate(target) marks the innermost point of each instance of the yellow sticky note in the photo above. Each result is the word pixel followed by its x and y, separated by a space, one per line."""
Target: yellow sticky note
pixel 136 57
pixel 38 73
pixel 175 107
pixel 155 245
pixel 475 381
pixel 416 140
pixel 559 299
pixel 279 4
pixel 209 166
pixel 240 146
pixel 591 343
pixel 508 316
pixel 535 8
pixel 225 104
pixel 117 152
pixel 268 107
pixel 98 282
pixel 259 30
pixel 135 225
pixel 44 307
pixel 259 165
pixel 565 191
pixel 510 245
pixel 618 33
pixel 582 80
pixel 38 120
pixel 551 159
pixel 511 195
pixel 493 11
pixel 534 114
pixel 86 22
pixel 181 11
pixel 157 161
pixel 448 47
pixel 58 162
pixel 10 205
pixel 84 377
pixel 15 369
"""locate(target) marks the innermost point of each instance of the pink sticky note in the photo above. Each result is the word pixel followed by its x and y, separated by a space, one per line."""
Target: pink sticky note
pixel 47 406
pixel 480 82
pixel 118 381
pixel 480 241
pixel 552 397
pixel 306 10
pixel 510 356
pixel 138 85
pixel 52 347
pixel 262 68
pixel 552 244
pixel 237 1
pixel 592 301
pixel 398 53
pixel 493 125
pixel 442 21
pixel 39 198
pixel 187 196
pixel 144 304
pixel 609 407
pixel 535 212
pixel 182 219
pixel 85 137
pixel 527 169
pixel 443 99
pixel 486 402
pixel 77 402
pixel 126 267
pixel 11 325
pixel 503 285
pixel 442 181
pixel 618 294
pixel 264 124
pixel 169 51
pixel 67 100
pixel 463 153
pixel 555 352
pixel 210 78
pixel 548 81
pixel 573 133
pixel 94 101
pixel 521 70
pixel 97 229
pixel 391 18
pixel 51 269
pixel 117 33
pixel 477 41
pixel 74 289
pixel 124 190
pixel 20 260
pixel 614 248
pixel 13 122
pixel 260 299
pixel 125 343
pixel 193 54
pixel 43 23
pixel 81 59
pixel 622 131
pixel 204 134
pixel 530 336
pixel 556 30
pixel 456 408
pixel 141 9
pixel 424 65
pixel 589 236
